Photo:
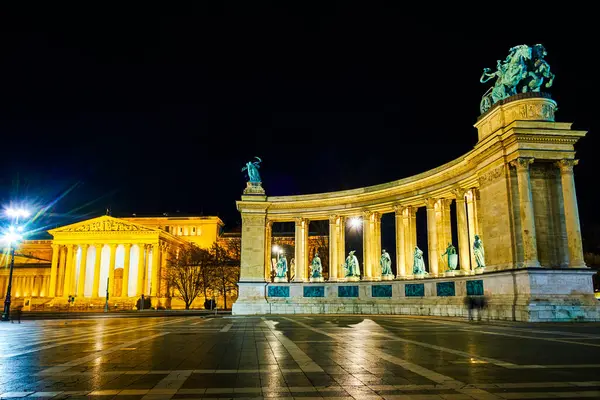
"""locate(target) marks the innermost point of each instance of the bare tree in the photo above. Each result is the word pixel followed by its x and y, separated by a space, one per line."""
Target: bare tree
pixel 225 269
pixel 189 273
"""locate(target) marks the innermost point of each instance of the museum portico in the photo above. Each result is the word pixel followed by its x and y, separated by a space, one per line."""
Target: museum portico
pixel 514 190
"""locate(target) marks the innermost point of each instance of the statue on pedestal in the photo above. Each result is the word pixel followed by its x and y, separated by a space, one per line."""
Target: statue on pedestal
pixel 524 70
pixel 351 267
pixel 418 262
pixel 386 266
pixel 281 274
pixel 479 252
pixel 252 168
pixel 316 269
pixel 451 257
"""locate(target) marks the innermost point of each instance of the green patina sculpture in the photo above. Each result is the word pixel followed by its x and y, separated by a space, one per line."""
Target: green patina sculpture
pixel 281 267
pixel 316 268
pixel 418 262
pixel 386 263
pixel 451 257
pixel 523 70
pixel 252 168
pixel 351 265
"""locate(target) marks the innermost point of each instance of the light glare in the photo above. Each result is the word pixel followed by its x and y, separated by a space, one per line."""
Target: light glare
pixel 355 222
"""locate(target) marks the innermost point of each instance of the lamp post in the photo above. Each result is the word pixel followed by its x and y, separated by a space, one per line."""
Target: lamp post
pixel 12 237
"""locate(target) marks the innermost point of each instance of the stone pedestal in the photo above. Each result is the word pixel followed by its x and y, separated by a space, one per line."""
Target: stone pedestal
pixel 280 279
pixel 352 279
pixel 479 271
pixel 387 277
pixel 451 273
pixel 319 279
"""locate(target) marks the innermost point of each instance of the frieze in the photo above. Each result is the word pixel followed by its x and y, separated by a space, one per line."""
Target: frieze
pixel 491 176
pixel 105 226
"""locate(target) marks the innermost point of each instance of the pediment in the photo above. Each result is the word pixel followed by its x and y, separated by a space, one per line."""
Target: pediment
pixel 102 224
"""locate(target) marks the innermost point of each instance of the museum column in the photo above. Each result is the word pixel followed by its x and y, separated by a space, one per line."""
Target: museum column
pixel 268 241
pixel 333 250
pixel 447 220
pixel 413 227
pixel 432 236
pixel 67 287
pixel 139 290
pixel 126 264
pixel 82 270
pixel 97 260
pixel 464 252
pixel 54 270
pixel 341 246
pixel 300 247
pixel 111 269
pixel 439 221
pixel 154 280
pixel 530 256
pixel 400 245
pixel 571 210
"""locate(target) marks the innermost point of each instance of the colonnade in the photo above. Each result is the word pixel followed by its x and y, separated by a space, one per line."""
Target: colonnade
pixel 439 230
pixel 69 274
pixel 26 286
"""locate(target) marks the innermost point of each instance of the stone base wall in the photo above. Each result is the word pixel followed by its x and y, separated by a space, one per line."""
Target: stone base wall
pixel 518 295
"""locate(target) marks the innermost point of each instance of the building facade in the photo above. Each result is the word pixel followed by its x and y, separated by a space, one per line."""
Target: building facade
pixel 122 258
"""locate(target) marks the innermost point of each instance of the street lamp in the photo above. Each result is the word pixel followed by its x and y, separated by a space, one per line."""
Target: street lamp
pixel 12 237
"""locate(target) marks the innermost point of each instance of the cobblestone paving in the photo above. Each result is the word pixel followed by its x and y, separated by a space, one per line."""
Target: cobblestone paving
pixel 297 357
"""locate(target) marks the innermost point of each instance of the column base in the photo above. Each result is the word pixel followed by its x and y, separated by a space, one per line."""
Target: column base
pixel 479 270
pixel 319 279
pixel 389 277
pixel 352 279
pixel 278 279
pixel 451 273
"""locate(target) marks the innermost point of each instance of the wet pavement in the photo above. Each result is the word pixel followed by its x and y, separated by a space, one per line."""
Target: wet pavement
pixel 331 357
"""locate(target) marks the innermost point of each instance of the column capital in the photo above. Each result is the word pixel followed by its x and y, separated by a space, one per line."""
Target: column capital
pixel 430 202
pixel 375 215
pixel 566 165
pixel 84 246
pixel 366 213
pixel 522 163
pixel 446 203
pixel 299 220
pixel 412 211
pixel 268 223
pixel 333 218
pixel 112 245
pixel 459 193
pixel 55 246
pixel 127 245
pixel 399 208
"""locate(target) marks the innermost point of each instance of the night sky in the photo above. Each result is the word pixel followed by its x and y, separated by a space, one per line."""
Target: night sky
pixel 151 109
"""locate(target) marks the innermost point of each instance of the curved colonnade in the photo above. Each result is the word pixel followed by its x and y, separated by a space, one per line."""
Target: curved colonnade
pixel 515 188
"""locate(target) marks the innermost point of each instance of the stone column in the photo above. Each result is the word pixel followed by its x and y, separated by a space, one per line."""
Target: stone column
pixel 111 269
pixel 432 237
pixel 252 267
pixel 300 244
pixel 408 243
pixel 82 271
pixel 400 242
pixel 141 270
pixel 367 244
pixel 530 256
pixel 68 287
pixel 447 221
pixel 154 281
pixel 463 232
pixel 341 246
pixel 126 264
pixel 439 222
pixel 97 264
pixel 413 227
pixel 376 246
pixel 54 270
pixel 268 241
pixel 571 210
pixel 471 224
pixel 164 253
pixel 333 248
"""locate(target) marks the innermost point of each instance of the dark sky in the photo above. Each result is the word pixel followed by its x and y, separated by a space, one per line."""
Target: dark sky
pixel 156 109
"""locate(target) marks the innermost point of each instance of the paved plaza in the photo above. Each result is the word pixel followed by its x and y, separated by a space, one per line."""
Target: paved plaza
pixel 342 357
